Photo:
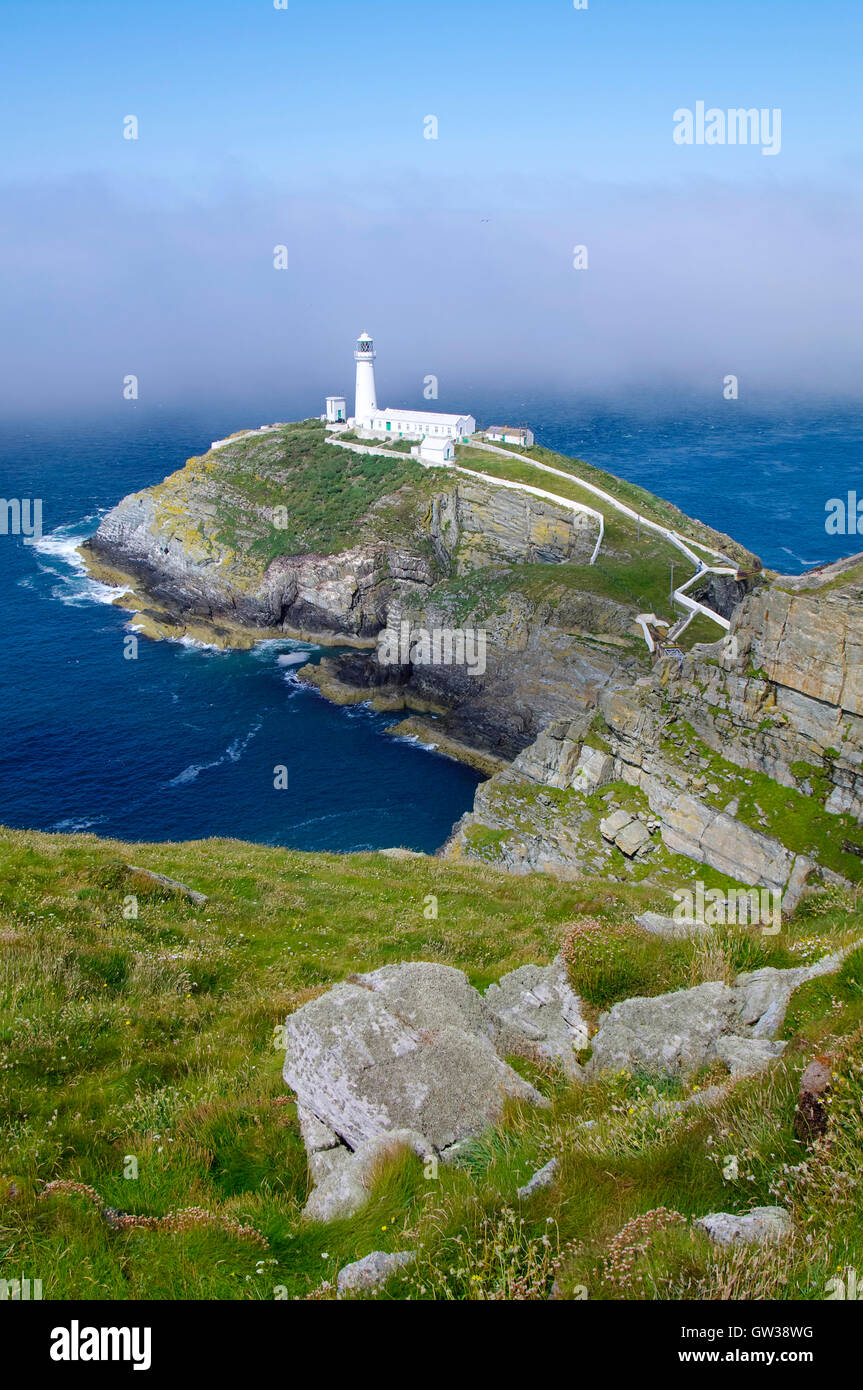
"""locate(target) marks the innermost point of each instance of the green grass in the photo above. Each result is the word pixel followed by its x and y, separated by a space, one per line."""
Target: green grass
pixel 326 490
pixel 610 961
pixel 151 1037
pixel 401 446
pixel 700 630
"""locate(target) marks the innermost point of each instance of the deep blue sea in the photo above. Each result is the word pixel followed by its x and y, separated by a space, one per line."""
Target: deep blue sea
pixel 182 742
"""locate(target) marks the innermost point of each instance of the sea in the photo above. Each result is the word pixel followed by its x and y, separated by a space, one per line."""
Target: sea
pixel 187 742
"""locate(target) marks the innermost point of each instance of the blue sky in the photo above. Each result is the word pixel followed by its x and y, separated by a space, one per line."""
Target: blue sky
pixel 305 127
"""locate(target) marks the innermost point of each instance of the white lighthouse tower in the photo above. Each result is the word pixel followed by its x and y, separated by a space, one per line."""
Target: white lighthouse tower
pixel 391 424
pixel 367 401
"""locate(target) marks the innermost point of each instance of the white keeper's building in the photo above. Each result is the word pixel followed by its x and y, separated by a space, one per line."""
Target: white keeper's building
pixel 387 422
pixel 510 434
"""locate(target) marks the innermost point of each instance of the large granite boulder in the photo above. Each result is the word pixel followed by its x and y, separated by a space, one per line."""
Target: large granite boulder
pixel 764 994
pixel 427 996
pixel 671 1033
pixel 408 1055
pixel 343 1185
pixel 405 1047
pixel 744 1056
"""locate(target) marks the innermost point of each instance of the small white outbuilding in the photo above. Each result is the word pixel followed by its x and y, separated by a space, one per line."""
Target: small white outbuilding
pixel 437 449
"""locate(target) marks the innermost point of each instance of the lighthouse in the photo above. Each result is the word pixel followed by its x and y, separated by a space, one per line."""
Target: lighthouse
pixel 373 422
pixel 366 402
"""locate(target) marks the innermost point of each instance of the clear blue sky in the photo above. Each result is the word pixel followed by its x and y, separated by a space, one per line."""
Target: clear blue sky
pixel 518 85
pixel 305 126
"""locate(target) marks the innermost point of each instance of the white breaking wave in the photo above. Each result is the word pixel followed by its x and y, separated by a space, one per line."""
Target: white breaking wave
pixel 424 744
pixel 799 558
pixel 62 546
pixel 232 754
pixel 198 644
pixel 73 825
pixel 291 646
pixel 77 587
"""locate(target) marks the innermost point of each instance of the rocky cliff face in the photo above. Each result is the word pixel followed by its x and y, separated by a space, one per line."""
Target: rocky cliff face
pixel 196 571
pixel 536 669
pixel 791 676
pixel 348 594
pixel 483 525
pixel 708 743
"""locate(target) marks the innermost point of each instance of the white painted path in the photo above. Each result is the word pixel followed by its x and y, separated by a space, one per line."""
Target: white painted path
pixel 672 536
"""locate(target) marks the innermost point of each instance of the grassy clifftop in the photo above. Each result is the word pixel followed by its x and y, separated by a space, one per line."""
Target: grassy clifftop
pixel 138 1035
pixel 289 492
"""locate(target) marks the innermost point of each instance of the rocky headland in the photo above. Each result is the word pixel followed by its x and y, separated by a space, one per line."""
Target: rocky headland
pixel 736 747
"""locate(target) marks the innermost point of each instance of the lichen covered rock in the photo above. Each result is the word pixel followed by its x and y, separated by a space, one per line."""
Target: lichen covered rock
pixel 411 1056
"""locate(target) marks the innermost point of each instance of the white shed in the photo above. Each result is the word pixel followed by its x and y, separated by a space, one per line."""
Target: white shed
pixel 437 449
pixel 337 409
